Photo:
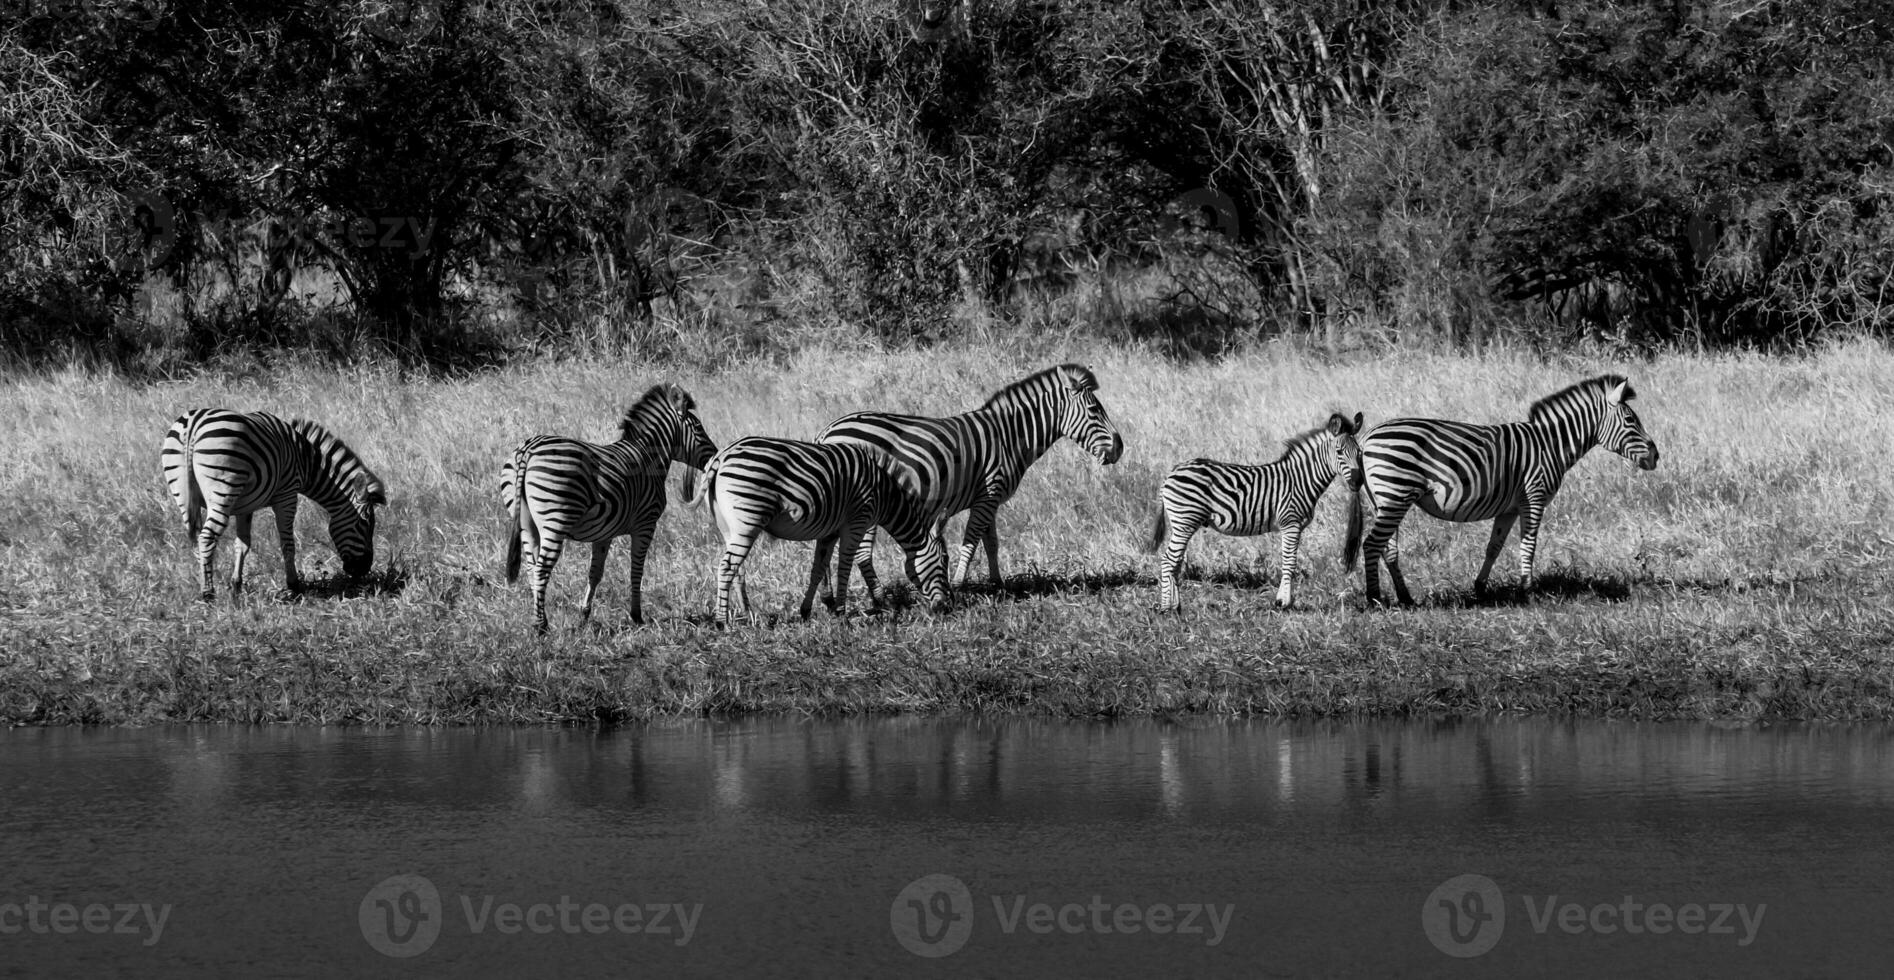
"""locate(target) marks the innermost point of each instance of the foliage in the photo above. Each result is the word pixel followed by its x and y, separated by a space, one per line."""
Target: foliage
pixel 710 177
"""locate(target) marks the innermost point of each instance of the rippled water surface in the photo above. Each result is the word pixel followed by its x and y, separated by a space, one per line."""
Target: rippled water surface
pixel 806 848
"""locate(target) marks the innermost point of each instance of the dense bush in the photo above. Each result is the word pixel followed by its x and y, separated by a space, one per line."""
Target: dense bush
pixel 440 178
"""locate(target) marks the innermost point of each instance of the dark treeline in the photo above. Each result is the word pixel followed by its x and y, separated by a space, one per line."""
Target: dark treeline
pixel 657 172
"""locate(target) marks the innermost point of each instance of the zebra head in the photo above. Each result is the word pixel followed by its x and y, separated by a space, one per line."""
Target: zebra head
pixel 665 420
pixel 1084 420
pixel 1344 450
pixel 352 528
pixel 1619 428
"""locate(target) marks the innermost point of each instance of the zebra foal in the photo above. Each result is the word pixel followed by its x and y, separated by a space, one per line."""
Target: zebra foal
pixel 1509 473
pixel 1242 500
pixel 557 490
pixel 221 467
pixel 834 495
pixel 974 461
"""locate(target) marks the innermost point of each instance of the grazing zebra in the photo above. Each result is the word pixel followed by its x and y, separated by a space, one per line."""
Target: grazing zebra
pixel 831 494
pixel 974 461
pixel 223 466
pixel 557 490
pixel 1458 471
pixel 1243 500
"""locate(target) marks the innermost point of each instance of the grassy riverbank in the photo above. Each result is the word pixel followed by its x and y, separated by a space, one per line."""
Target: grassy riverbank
pixel 1747 578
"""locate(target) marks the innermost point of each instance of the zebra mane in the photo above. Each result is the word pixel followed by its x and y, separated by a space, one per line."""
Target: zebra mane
pixel 1024 388
pixel 1304 442
pixel 340 462
pixel 1586 390
pixel 654 406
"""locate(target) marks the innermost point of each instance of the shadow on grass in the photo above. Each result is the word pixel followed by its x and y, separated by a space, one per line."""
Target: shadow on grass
pixel 1040 582
pixel 374 585
pixel 1554 587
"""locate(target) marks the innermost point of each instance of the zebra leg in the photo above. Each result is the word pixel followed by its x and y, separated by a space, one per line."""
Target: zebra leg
pixel 818 573
pixel 1291 534
pixel 600 549
pixel 285 511
pixel 850 541
pixel 1183 527
pixel 992 539
pixel 1393 559
pixel 1502 526
pixel 240 529
pixel 640 547
pixel 1380 546
pixel 1529 537
pixel 551 544
pixel 979 528
pixel 865 562
pixel 736 548
pixel 207 553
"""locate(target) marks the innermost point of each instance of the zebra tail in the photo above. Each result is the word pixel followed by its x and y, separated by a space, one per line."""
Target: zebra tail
pixel 1351 546
pixel 520 519
pixel 191 497
pixel 1159 531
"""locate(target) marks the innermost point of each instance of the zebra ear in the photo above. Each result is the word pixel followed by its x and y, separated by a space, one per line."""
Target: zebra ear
pixel 1620 393
pixel 680 399
pixel 1357 426
pixel 1337 424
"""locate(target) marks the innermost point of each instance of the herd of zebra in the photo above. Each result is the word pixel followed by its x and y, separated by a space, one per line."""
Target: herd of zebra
pixel 907 474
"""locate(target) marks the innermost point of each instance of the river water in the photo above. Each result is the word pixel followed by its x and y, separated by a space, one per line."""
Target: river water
pixel 950 848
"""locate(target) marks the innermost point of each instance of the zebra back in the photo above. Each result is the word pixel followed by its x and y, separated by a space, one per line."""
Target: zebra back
pixel 955 460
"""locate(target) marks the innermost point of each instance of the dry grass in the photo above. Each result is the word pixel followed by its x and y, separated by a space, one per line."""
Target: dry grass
pixel 1744 578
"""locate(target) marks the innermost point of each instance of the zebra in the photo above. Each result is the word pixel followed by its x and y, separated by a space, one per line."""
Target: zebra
pixel 557 490
pixel 223 466
pixel 1244 500
pixel 974 461
pixel 833 494
pixel 1459 471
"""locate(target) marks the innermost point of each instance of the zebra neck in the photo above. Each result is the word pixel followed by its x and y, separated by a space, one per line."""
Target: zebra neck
pixel 1567 440
pixel 1031 427
pixel 325 479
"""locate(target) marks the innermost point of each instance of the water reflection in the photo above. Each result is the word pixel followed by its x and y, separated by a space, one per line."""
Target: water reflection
pixel 795 835
pixel 1492 770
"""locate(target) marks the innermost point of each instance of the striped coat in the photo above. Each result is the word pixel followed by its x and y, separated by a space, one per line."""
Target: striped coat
pixel 556 490
pixel 221 467
pixel 834 495
pixel 1508 473
pixel 974 461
